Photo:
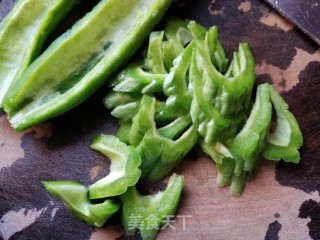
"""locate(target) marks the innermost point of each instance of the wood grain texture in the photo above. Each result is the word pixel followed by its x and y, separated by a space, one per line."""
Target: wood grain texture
pixel 283 202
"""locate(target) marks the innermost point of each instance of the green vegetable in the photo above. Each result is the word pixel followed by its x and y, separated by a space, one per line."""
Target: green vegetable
pixel 81 60
pixel 216 52
pixel 198 31
pixel 124 168
pixel 125 105
pixel 135 79
pixel 178 36
pixel 165 54
pixel 154 59
pixel 161 149
pixel 154 115
pixel 204 114
pixel 175 86
pixel 148 213
pixel 75 196
pixel 247 145
pixel 114 98
pixel 216 150
pixel 220 102
pixel 22 34
pixel 123 132
pixel 285 141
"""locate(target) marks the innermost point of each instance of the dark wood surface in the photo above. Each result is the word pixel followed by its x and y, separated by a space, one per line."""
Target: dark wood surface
pixel 283 202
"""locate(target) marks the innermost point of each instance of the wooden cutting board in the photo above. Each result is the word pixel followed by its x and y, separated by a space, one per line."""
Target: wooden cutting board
pixel 283 202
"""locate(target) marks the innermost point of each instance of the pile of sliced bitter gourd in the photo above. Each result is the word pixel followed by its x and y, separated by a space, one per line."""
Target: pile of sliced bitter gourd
pixel 184 92
pixel 181 93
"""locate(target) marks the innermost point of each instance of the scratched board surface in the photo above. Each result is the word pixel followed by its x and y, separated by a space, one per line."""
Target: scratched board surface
pixel 283 201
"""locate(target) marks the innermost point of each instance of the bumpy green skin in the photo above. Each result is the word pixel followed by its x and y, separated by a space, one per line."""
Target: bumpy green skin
pixel 248 144
pixel 205 115
pixel 22 34
pixel 124 168
pixel 285 141
pixel 220 102
pixel 160 151
pixel 175 86
pixel 81 60
pixel 138 211
pixel 75 196
pixel 237 159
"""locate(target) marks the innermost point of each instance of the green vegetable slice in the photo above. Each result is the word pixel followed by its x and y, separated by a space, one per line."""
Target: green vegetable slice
pixel 154 60
pixel 127 111
pixel 198 31
pixel 22 34
pixel 220 102
pixel 81 60
pixel 230 94
pixel 248 144
pixel 160 150
pixel 175 86
pixel 124 168
pixel 114 98
pixel 285 141
pixel 135 79
pixel 205 115
pixel 216 150
pixel 138 210
pixel 123 132
pixel 75 196
pixel 177 33
pixel 125 105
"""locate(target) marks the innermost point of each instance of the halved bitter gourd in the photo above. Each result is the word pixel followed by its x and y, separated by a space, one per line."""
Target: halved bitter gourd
pixel 81 60
pixel 22 34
